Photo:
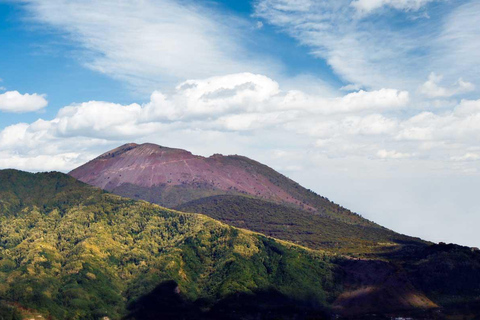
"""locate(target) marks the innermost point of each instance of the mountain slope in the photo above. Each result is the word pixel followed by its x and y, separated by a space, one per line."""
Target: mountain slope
pixel 71 251
pixel 80 253
pixel 171 177
pixel 177 179
pixel 298 226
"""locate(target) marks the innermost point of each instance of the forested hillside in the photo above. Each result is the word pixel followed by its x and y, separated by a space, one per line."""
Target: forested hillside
pixel 71 251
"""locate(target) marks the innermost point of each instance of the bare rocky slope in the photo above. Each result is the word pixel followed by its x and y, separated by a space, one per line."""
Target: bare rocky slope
pixel 173 176
pixel 238 191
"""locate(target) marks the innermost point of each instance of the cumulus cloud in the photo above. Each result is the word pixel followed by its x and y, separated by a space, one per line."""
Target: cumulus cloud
pixel 14 101
pixel 460 125
pixel 443 136
pixel 357 124
pixel 236 103
pixel 432 88
pixel 57 162
pixel 148 43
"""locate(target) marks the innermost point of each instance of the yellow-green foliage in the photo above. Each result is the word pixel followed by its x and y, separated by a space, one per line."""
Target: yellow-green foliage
pixel 92 254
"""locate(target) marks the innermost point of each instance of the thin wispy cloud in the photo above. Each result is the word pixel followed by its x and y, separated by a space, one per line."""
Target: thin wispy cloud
pixel 150 43
pixel 457 47
pixel 371 51
pixel 367 6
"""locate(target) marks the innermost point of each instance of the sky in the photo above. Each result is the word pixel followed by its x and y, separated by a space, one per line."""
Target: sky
pixel 374 104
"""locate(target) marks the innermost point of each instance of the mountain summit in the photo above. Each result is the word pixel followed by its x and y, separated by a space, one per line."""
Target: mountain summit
pixel 172 177
pixel 235 190
pixel 174 170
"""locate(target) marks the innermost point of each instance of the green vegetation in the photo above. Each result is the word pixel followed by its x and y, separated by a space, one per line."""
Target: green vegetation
pixel 292 224
pixel 70 251
pixel 8 312
pixel 19 190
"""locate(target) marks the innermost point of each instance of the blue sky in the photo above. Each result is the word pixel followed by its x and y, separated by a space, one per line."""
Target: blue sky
pixel 43 59
pixel 40 60
pixel 372 103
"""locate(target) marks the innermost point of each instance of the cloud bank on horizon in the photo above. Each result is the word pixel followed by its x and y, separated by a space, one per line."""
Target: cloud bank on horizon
pixel 405 101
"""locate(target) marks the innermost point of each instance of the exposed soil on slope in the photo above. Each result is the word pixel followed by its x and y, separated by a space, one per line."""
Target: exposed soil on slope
pixel 149 165
pixel 171 177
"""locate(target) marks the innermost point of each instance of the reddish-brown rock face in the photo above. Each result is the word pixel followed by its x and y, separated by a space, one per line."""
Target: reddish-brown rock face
pixel 224 187
pixel 173 177
pixel 149 165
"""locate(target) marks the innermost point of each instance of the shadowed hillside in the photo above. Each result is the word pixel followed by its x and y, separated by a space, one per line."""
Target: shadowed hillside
pixel 295 225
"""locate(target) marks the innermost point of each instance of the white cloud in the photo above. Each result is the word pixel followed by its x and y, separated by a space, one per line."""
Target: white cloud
pixel 382 51
pixel 357 124
pixel 460 125
pixel 366 53
pixel 225 94
pixel 14 101
pixel 379 99
pixel 347 127
pixel 467 157
pixel 148 43
pixel 251 97
pixel 236 102
pixel 56 162
pixel 351 87
pixel 366 6
pixel 392 154
pixel 454 50
pixel 432 89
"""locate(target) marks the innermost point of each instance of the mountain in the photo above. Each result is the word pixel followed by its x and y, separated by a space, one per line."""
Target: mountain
pixel 238 191
pixel 72 251
pixel 172 177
